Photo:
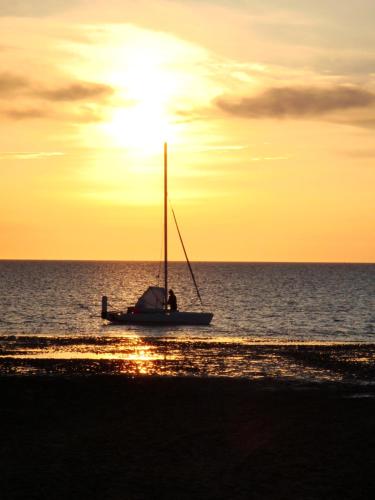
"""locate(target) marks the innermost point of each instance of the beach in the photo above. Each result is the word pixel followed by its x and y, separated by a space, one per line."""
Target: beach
pixel 275 400
pixel 187 258
pixel 121 437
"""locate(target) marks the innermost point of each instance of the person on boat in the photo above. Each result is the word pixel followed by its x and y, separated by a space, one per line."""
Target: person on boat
pixel 172 301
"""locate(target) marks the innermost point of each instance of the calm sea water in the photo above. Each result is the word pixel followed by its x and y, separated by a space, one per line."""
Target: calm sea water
pixel 52 309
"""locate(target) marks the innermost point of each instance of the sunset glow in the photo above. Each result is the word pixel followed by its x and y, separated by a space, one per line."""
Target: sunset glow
pixel 268 112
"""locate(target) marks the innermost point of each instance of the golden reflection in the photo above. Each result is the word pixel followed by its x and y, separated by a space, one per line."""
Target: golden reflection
pixel 133 355
pixel 142 361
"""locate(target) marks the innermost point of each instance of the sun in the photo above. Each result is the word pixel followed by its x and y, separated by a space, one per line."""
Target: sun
pixel 158 80
pixel 142 126
pixel 147 88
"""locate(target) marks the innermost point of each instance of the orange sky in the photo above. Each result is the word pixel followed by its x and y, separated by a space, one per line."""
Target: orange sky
pixel 268 108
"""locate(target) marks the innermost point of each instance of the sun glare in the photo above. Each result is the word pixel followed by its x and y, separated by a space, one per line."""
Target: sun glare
pixel 147 87
pixel 156 79
pixel 143 126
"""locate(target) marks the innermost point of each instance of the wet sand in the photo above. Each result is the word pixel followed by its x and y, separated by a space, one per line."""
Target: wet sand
pixel 118 437
pixel 134 356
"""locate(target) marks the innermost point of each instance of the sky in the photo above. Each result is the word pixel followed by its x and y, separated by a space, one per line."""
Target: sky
pixel 268 108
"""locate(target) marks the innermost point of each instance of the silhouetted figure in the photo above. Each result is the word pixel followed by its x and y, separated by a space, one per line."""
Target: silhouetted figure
pixel 172 301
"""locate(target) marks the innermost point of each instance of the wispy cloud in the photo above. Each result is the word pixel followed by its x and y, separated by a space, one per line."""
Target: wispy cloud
pixel 365 154
pixel 29 155
pixel 90 96
pixel 10 83
pixel 74 91
pixel 224 147
pixel 270 158
pixel 82 114
pixel 23 114
pixel 298 102
pixel 35 8
pixel 77 92
pixel 367 123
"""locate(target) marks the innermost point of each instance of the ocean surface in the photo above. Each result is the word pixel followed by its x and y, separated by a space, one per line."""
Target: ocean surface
pixel 50 316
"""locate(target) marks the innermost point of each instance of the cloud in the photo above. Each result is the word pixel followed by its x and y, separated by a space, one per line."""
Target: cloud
pixel 9 83
pixel 298 102
pixel 224 147
pixel 356 65
pixel 34 8
pixel 360 154
pixel 191 115
pixel 367 123
pixel 29 155
pixel 86 114
pixel 270 158
pixel 90 96
pixel 23 114
pixel 77 92
pixel 82 114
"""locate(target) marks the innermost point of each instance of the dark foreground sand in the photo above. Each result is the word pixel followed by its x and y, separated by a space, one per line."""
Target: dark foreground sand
pixel 112 437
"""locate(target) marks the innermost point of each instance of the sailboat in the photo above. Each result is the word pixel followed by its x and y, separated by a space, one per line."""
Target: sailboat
pixel 152 307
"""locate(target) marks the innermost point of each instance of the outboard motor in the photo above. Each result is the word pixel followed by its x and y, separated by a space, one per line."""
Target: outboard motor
pixel 104 307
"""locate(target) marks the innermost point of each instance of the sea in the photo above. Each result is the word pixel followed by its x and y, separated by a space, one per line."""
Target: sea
pixel 270 319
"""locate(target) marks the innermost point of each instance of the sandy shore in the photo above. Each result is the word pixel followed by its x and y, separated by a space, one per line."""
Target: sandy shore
pixel 113 437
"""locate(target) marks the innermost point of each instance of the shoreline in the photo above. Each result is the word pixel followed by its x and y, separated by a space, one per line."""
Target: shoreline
pixel 338 363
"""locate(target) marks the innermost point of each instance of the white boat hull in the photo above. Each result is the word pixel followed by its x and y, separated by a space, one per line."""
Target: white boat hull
pixel 160 318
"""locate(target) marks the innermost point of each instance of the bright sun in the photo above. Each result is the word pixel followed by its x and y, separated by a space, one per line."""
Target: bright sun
pixel 143 126
pixel 157 79
pixel 147 88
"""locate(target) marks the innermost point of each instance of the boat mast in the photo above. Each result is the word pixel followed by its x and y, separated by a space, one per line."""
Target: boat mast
pixel 165 229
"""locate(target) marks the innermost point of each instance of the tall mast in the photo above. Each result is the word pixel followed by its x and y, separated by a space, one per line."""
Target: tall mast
pixel 165 228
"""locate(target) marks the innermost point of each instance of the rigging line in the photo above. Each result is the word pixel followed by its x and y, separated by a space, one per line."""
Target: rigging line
pixel 186 256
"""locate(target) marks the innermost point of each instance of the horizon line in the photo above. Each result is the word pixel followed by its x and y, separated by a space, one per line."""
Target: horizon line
pixel 193 261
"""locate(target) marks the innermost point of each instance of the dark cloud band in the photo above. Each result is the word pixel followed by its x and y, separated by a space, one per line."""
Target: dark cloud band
pixel 77 92
pixel 23 114
pixel 90 97
pixel 10 83
pixel 297 102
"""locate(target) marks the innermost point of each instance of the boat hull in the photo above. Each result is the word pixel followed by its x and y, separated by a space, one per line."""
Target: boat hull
pixel 160 318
